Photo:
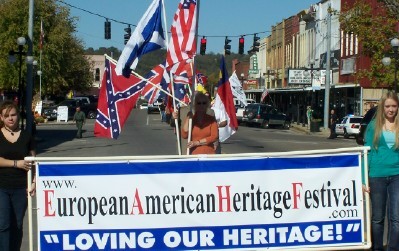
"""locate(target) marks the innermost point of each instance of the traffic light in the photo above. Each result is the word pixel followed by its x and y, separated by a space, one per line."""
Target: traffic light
pixel 128 33
pixel 256 44
pixel 241 45
pixel 203 46
pixel 227 47
pixel 107 29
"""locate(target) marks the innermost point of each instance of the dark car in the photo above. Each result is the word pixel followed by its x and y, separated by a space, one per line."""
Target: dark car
pixel 154 107
pixel 51 111
pixel 363 125
pixel 265 116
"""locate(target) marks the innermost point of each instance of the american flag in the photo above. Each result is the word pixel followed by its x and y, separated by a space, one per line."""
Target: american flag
pixel 118 95
pixel 264 95
pixel 160 77
pixel 182 45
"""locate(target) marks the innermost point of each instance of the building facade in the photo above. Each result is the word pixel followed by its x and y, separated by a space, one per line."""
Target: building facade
pixel 299 45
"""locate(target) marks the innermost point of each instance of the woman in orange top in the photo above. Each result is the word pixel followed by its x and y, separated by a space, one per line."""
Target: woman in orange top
pixel 204 127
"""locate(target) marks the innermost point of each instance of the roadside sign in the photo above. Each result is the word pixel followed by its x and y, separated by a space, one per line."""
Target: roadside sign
pixel 62 113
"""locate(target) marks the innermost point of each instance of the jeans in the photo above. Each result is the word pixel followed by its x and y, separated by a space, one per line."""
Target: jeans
pixel 13 204
pixel 382 191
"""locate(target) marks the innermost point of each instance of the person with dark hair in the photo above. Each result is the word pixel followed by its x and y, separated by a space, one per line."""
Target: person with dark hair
pixel 204 130
pixel 333 123
pixel 80 119
pixel 15 145
pixel 382 136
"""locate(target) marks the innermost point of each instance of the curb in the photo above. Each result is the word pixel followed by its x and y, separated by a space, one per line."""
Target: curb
pixel 56 123
pixel 303 129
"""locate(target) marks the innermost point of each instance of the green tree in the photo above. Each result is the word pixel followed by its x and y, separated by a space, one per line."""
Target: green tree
pixel 374 31
pixel 64 64
pixel 393 6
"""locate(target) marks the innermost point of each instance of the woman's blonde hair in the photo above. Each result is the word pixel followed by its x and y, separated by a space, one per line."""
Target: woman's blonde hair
pixel 380 119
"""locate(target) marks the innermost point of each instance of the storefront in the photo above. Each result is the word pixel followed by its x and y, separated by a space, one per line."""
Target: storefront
pixel 345 99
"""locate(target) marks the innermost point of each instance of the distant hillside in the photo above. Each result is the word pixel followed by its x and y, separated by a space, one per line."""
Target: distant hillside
pixel 207 64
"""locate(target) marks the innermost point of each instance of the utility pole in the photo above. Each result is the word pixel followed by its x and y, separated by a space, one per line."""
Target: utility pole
pixel 29 75
pixel 328 67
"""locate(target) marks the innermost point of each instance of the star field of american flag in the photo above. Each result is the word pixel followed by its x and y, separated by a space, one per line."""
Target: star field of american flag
pixel 118 95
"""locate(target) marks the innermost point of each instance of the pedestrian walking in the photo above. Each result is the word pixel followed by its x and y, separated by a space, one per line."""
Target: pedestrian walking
pixel 162 108
pixel 15 145
pixel 382 135
pixel 79 118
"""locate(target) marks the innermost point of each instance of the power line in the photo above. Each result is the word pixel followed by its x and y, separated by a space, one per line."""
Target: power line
pixel 95 14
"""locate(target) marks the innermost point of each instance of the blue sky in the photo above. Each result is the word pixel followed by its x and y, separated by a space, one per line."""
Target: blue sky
pixel 216 18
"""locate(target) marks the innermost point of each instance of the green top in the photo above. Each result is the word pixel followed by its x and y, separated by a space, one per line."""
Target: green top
pixel 79 116
pixel 384 161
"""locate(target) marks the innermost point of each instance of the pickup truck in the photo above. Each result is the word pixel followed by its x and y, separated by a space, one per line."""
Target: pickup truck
pixel 90 109
pixel 88 105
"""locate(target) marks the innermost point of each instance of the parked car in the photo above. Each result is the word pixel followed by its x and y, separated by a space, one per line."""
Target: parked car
pixel 364 123
pixel 154 107
pixel 349 126
pixel 51 111
pixel 265 116
pixel 240 108
pixel 238 103
pixel 143 106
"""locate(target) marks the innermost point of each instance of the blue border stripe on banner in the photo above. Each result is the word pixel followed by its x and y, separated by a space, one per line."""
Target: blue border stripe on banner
pixel 196 166
pixel 320 234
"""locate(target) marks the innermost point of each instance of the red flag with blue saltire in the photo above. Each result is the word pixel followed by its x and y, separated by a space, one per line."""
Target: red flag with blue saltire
pixel 224 102
pixel 118 95
pixel 201 78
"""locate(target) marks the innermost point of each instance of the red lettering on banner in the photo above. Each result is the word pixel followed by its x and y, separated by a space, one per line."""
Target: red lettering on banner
pixel 137 203
pixel 296 193
pixel 48 195
pixel 222 198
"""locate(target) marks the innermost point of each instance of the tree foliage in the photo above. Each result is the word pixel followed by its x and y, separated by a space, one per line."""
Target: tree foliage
pixel 374 30
pixel 392 6
pixel 64 66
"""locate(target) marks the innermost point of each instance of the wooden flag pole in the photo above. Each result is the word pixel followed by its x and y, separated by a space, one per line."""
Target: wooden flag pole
pixel 193 78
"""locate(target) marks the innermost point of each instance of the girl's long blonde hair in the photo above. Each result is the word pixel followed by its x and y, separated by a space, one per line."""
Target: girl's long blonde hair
pixel 380 119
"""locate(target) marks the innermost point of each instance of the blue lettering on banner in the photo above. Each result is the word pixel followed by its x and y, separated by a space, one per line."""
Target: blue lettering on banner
pixel 310 234
pixel 203 166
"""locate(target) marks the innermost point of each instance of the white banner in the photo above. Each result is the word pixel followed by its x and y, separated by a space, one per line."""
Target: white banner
pixel 202 204
pixel 236 89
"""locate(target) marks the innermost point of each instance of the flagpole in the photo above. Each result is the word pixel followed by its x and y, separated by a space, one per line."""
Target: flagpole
pixel 193 78
pixel 172 84
pixel 40 75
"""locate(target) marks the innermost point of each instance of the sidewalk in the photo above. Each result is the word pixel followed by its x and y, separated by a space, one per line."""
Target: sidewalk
pixel 303 129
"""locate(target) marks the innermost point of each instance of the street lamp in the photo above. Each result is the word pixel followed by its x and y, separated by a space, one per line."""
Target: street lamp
pixel 21 41
pixel 39 73
pixel 395 55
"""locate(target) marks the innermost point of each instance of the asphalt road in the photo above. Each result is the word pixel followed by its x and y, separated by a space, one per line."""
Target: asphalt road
pixel 145 135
